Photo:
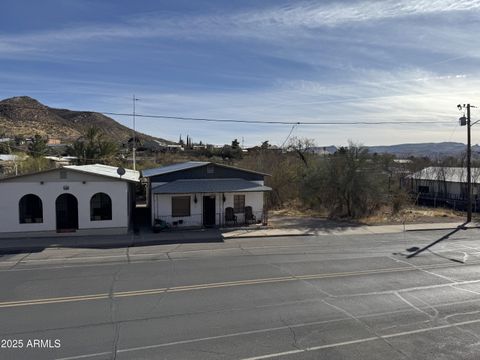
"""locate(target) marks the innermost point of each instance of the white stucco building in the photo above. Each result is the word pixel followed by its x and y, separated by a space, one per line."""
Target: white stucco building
pixel 72 199
pixel 196 194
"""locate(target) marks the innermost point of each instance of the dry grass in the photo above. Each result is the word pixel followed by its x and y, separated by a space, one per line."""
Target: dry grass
pixel 409 215
pixel 414 214
pixel 295 209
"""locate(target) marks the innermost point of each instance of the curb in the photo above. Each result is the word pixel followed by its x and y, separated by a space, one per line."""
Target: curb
pixel 449 228
pixel 265 236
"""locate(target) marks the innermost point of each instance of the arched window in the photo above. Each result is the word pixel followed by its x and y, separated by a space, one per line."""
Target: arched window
pixel 30 209
pixel 100 207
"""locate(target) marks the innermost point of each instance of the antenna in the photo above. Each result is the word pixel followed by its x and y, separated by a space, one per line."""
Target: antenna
pixel 121 171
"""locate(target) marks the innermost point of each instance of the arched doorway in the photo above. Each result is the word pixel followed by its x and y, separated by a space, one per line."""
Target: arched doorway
pixel 66 207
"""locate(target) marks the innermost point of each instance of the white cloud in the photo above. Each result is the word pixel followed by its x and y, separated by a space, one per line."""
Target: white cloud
pixel 314 15
pixel 406 96
pixel 410 95
pixel 271 23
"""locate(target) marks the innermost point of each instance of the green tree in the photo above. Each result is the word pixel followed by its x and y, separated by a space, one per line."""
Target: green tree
pixel 346 184
pixel 38 147
pixel 5 148
pixel 93 147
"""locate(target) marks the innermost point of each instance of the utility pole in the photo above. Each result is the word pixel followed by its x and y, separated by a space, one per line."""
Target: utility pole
pixel 466 121
pixel 469 167
pixel 134 146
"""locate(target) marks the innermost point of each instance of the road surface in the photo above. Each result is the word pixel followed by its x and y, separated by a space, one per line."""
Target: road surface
pixel 312 297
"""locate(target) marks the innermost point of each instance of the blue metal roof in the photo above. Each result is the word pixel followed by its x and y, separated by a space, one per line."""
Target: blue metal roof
pixel 172 168
pixel 209 186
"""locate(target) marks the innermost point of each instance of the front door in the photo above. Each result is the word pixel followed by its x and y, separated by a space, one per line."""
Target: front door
pixel 66 207
pixel 209 210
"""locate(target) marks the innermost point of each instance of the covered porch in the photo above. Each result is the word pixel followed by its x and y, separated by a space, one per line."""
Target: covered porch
pixel 209 203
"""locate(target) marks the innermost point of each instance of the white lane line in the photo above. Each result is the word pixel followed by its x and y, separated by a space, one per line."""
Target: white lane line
pixel 181 342
pixel 284 353
pixel 291 352
pixel 86 356
pixel 404 333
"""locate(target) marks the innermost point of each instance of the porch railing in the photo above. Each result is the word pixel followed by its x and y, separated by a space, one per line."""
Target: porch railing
pixel 194 220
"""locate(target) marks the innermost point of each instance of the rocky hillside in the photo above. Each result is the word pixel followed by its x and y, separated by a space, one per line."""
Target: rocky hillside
pixel 24 116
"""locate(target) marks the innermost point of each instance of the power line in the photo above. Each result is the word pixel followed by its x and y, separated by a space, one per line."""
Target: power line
pixel 266 122
pixel 277 121
pixel 290 133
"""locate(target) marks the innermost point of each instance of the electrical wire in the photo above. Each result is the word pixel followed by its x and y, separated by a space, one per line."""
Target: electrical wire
pixel 266 122
pixel 290 133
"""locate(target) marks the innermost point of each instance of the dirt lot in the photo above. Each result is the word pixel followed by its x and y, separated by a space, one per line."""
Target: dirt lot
pixel 312 219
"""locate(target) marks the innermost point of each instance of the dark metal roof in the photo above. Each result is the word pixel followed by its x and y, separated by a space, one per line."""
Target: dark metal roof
pixel 209 186
pixel 172 168
pixel 189 165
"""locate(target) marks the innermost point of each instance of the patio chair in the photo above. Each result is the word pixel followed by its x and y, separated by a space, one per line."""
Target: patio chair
pixel 249 217
pixel 230 217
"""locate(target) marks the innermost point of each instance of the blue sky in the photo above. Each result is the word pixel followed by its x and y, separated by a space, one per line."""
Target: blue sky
pixel 401 60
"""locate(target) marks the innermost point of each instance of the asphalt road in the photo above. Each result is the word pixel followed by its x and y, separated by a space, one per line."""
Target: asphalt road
pixel 325 297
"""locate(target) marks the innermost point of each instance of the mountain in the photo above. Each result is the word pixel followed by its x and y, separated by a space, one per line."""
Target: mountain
pixel 431 150
pixel 24 116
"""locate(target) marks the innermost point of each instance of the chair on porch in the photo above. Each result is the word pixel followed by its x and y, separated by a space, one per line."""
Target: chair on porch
pixel 249 217
pixel 230 217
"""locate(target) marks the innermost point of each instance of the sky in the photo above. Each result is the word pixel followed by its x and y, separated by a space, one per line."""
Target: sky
pixel 305 61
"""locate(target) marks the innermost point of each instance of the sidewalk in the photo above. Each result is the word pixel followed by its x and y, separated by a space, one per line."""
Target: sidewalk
pixel 343 230
pixel 37 244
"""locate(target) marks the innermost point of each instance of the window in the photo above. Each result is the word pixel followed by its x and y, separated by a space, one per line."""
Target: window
pixel 100 207
pixel 180 206
pixel 423 189
pixel 30 209
pixel 239 203
pixel 210 169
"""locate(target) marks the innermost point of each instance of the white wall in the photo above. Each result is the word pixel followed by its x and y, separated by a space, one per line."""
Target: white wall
pixel 452 188
pixel 12 191
pixel 253 199
pixel 162 207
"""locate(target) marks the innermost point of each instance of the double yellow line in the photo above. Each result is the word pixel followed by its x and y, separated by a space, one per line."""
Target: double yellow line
pixel 122 294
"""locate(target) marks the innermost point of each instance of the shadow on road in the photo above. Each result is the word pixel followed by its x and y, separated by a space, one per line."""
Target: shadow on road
pixel 444 237
pixel 13 246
